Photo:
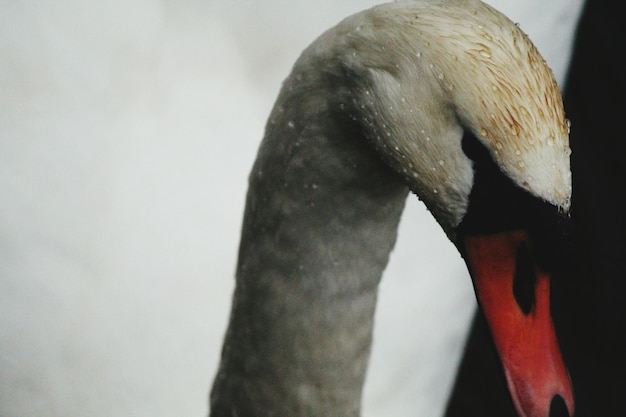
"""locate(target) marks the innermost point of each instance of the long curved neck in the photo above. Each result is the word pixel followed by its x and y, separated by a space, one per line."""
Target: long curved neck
pixel 321 219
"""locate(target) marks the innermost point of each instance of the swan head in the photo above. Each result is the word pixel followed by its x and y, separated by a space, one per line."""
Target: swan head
pixel 514 106
pixel 441 69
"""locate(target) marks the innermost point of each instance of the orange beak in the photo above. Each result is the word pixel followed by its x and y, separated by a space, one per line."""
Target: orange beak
pixel 514 295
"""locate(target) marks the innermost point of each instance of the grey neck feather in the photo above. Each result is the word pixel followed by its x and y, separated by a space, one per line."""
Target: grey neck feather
pixel 321 219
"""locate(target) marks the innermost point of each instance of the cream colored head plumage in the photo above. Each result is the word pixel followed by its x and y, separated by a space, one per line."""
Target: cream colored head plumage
pixel 521 111
pixel 438 67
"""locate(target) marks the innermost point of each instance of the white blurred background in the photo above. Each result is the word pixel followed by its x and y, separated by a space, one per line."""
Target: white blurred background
pixel 127 129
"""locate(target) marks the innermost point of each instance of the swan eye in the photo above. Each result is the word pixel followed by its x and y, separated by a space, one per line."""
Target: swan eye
pixel 473 148
pixel 524 280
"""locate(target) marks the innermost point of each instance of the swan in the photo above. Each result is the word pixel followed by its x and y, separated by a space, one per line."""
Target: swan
pixel 448 100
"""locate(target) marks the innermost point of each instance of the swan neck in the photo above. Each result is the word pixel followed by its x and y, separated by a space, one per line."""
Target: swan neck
pixel 321 218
